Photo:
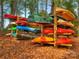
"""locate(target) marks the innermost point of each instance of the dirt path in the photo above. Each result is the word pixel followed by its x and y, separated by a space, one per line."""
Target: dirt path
pixel 76 46
pixel 24 49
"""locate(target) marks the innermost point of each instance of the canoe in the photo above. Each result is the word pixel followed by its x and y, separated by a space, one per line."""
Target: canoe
pixel 59 31
pixel 43 39
pixel 12 24
pixel 21 22
pixel 49 40
pixel 64 41
pixel 66 14
pixel 26 36
pixel 26 28
pixel 65 23
pixel 62 21
pixel 10 16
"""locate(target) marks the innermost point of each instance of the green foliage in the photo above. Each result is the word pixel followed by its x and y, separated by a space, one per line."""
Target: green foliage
pixel 41 17
pixel 75 22
pixel 67 4
pixel 76 29
pixel 70 6
pixel 43 13
pixel 58 3
pixel 31 5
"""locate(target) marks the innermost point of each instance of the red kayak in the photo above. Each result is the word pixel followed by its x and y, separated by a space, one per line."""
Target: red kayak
pixel 64 41
pixel 20 22
pixel 10 16
pixel 59 31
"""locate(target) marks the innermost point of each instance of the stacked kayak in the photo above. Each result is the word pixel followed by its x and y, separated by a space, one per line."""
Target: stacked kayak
pixel 21 26
pixel 59 31
pixel 43 39
pixel 10 16
pixel 44 34
pixel 64 18
pixel 49 40
pixel 65 23
pixel 66 14
pixel 21 22
pixel 26 28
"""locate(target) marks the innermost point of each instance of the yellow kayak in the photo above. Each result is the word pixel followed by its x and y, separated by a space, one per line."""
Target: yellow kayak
pixel 65 23
pixel 43 39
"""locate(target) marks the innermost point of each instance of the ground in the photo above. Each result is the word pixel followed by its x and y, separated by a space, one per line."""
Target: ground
pixel 24 49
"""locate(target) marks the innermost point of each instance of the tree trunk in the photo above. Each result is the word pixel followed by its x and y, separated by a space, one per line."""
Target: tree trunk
pixel 2 19
pixel 42 5
pixel 78 10
pixel 25 8
pixel 37 6
pixel 12 6
pixel 15 7
pixel 52 7
pixel 46 5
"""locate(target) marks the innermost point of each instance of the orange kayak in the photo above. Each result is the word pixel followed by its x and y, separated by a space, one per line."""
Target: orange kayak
pixel 66 14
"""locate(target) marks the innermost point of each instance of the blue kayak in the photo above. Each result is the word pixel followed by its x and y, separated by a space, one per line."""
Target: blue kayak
pixel 26 28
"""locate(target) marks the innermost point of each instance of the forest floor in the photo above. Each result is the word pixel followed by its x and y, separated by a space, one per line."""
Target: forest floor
pixel 24 49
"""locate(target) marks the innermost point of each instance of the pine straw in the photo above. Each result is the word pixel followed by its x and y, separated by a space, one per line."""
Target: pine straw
pixel 24 49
